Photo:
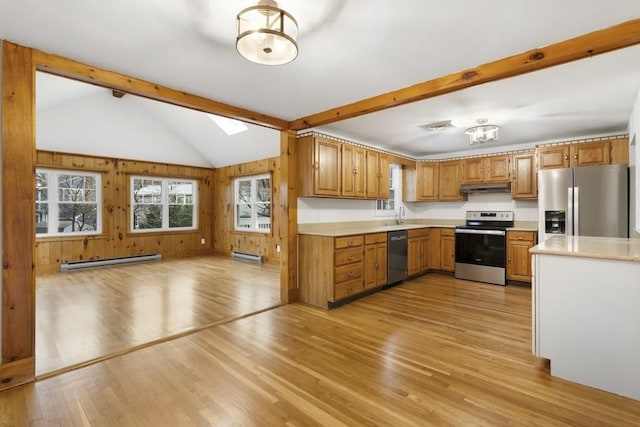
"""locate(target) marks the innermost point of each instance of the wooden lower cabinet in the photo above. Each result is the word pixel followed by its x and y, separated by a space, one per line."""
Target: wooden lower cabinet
pixel 375 260
pixel 418 249
pixel 331 269
pixel 518 256
pixel 447 249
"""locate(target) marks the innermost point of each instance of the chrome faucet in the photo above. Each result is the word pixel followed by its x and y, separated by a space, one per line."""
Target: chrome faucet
pixel 401 215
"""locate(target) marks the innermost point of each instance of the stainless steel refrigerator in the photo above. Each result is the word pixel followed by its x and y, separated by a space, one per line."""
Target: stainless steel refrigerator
pixel 584 201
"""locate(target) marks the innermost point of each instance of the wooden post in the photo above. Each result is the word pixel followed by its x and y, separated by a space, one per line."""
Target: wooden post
pixel 289 219
pixel 18 228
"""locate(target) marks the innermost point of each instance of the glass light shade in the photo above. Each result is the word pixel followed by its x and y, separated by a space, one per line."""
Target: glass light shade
pixel 267 35
pixel 483 133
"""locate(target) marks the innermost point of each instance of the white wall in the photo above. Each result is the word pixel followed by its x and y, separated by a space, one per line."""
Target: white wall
pixel 103 125
pixel 634 161
pixel 523 210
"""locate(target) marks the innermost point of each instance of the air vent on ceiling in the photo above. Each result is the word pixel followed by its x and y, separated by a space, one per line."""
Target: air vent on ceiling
pixel 437 126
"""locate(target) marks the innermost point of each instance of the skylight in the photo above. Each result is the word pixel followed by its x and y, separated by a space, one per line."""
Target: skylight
pixel 229 126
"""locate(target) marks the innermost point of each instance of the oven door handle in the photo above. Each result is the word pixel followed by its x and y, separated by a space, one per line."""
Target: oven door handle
pixel 474 231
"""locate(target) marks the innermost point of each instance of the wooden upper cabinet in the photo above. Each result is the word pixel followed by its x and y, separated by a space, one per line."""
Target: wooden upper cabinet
pixel 590 154
pixel 449 177
pixel 553 157
pixel 524 176
pixel 354 176
pixel 427 181
pixel 496 168
pixel 319 166
pixel 377 175
pixel 620 151
pixel 485 169
pixel 420 183
pixel 473 170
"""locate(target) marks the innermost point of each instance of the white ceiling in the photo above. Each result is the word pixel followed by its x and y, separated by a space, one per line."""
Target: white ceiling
pixel 355 50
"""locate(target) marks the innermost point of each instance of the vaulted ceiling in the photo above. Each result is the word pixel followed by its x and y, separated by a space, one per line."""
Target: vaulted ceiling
pixel 352 50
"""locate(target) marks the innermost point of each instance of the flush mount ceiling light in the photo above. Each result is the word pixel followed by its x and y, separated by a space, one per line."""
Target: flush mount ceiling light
pixel 267 34
pixel 482 133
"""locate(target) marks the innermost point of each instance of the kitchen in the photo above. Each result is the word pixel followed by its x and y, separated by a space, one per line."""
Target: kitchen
pixel 422 210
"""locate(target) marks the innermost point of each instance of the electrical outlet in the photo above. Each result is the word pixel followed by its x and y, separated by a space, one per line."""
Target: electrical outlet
pixel 277 248
pixel 202 241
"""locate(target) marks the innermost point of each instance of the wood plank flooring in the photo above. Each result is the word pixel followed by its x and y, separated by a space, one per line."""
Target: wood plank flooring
pixel 433 351
pixel 86 314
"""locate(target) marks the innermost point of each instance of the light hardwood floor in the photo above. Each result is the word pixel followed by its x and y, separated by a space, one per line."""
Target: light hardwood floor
pixel 87 314
pixel 434 351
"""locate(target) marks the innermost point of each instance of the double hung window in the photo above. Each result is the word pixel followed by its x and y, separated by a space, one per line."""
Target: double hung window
pixel 68 203
pixel 253 203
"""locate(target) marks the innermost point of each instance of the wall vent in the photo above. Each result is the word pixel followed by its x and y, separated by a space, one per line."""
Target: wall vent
pixel 77 265
pixel 241 256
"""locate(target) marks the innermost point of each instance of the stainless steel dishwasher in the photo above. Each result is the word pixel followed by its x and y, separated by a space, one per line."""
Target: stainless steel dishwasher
pixel 396 256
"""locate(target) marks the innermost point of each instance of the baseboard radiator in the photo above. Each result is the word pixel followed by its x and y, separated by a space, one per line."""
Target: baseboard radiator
pixel 246 257
pixel 77 265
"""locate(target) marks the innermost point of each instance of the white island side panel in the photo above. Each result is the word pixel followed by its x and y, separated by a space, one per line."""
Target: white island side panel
pixel 587 321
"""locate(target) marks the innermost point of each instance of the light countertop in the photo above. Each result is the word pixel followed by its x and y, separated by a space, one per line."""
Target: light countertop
pixel 591 247
pixel 348 231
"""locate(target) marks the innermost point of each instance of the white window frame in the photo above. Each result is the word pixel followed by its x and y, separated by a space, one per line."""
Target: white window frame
pixel 254 226
pixel 164 202
pixel 53 202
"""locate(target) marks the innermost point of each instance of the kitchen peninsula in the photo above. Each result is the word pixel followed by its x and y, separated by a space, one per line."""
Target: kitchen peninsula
pixel 586 310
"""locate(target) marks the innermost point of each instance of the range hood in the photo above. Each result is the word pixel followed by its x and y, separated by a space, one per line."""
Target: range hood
pixel 489 187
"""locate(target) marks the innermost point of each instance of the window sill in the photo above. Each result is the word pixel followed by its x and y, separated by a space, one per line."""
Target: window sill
pixel 77 237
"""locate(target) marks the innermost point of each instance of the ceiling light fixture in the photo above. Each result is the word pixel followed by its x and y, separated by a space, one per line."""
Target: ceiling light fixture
pixel 267 34
pixel 482 133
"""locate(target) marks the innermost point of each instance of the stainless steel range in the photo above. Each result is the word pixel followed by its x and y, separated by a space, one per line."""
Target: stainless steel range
pixel 481 246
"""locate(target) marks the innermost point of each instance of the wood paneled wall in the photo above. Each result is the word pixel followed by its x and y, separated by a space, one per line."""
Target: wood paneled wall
pixel 226 239
pixel 116 239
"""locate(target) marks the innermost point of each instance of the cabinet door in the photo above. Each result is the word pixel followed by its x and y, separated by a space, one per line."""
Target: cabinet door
pixel 373 179
pixel 591 154
pixel 425 249
pixel 413 255
pixel 524 174
pixel 435 253
pixel 448 256
pixel 381 264
pixel 383 176
pixel 473 170
pixel 496 168
pixel 353 171
pixel 370 269
pixel 327 167
pixel 427 177
pixel 449 178
pixel 348 170
pixel 553 157
pixel 620 151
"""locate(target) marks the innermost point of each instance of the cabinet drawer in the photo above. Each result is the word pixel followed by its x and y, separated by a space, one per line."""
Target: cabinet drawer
pixel 346 289
pixel 370 239
pixel 450 232
pixel 348 241
pixel 417 232
pixel 521 235
pixel 348 272
pixel 348 256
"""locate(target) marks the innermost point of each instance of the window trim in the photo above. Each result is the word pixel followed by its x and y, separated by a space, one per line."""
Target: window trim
pixel 53 205
pixel 164 203
pixel 253 229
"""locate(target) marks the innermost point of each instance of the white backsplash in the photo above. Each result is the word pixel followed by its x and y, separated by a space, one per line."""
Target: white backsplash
pixel 320 210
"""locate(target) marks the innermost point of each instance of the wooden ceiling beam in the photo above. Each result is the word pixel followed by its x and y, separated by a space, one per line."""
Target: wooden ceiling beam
pixel 76 70
pixel 598 42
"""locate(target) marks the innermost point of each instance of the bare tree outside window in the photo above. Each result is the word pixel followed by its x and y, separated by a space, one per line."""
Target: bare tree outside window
pixel 67 202
pixel 163 203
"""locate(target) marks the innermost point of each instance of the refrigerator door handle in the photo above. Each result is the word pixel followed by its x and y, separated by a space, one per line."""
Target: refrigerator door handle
pixel 576 211
pixel 569 230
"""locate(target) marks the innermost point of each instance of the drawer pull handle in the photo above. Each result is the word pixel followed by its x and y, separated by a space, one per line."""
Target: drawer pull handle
pixel 350 257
